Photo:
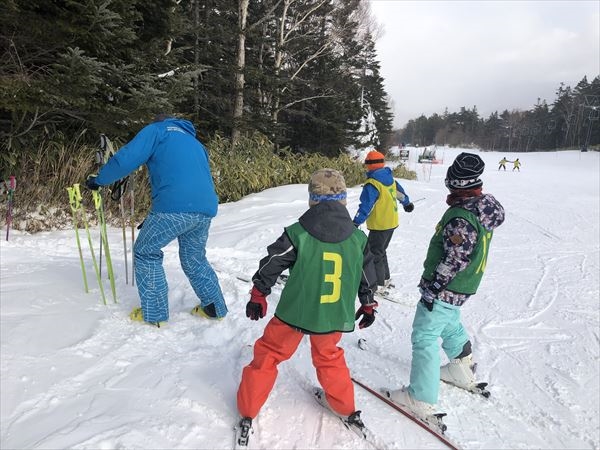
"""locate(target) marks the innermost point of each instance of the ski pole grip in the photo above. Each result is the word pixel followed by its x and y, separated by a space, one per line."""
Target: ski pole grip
pixel 97 199
pixel 77 191
pixel 74 197
pixel 78 196
pixel 71 193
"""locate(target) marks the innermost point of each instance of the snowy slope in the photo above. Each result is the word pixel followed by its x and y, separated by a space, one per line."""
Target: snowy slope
pixel 78 374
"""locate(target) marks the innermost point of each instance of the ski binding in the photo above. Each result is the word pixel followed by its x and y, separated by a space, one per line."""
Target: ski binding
pixel 353 422
pixel 243 431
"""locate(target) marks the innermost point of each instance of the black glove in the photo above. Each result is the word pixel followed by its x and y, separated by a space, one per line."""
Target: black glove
pixel 427 303
pixel 91 184
pixel 428 295
pixel 256 308
pixel 368 315
pixel 409 208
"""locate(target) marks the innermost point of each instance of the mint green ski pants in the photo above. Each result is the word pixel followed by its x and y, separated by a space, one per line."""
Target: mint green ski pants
pixel 444 322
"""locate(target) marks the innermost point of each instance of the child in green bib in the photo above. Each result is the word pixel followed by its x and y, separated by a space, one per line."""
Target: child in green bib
pixel 453 268
pixel 329 264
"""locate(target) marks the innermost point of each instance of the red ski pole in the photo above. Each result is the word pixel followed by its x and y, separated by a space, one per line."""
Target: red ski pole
pixel 12 185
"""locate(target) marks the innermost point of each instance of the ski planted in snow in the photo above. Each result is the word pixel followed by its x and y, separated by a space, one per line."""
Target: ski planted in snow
pixel 438 433
pixel 281 279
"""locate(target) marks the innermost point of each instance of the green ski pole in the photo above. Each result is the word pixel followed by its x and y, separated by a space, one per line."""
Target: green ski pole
pixel 104 238
pixel 75 204
pixel 77 194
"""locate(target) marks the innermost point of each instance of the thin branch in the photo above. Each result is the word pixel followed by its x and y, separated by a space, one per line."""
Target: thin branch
pixel 312 57
pixel 286 106
pixel 302 19
pixel 33 122
pixel 267 15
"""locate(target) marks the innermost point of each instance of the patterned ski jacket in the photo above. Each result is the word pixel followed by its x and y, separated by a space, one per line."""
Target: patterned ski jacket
pixel 177 163
pixel 331 227
pixel 370 195
pixel 460 241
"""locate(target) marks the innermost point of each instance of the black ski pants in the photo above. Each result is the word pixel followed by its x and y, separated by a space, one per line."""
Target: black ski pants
pixel 378 242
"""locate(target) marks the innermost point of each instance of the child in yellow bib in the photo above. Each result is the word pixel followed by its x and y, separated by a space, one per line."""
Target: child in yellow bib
pixel 379 209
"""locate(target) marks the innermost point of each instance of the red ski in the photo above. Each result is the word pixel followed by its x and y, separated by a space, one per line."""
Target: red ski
pixel 406 413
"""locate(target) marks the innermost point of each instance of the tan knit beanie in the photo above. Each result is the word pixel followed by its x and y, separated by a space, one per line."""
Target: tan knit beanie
pixel 326 185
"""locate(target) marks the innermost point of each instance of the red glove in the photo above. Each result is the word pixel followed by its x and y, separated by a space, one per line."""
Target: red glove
pixel 256 308
pixel 368 313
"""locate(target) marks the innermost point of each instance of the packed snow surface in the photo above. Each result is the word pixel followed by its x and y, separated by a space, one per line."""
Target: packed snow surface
pixel 78 374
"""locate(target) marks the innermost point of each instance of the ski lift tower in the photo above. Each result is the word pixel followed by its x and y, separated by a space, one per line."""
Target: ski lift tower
pixel 591 102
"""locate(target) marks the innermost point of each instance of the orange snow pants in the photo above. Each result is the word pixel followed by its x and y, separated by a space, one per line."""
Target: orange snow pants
pixel 278 343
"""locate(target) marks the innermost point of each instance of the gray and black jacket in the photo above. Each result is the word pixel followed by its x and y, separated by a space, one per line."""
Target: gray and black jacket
pixel 328 222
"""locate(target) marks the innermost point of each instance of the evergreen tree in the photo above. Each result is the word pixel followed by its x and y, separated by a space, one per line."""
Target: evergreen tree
pixel 76 65
pixel 572 121
pixel 328 121
pixel 375 92
pixel 97 66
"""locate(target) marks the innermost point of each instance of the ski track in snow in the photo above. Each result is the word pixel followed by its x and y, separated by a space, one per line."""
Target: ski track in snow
pixel 78 374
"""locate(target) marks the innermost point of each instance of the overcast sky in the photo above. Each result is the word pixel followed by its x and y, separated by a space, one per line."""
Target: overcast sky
pixel 495 55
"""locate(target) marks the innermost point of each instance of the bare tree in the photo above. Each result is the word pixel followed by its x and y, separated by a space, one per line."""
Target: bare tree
pixel 288 29
pixel 196 12
pixel 238 106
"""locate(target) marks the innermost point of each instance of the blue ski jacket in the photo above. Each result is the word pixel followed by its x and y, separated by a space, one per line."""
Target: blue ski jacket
pixel 370 194
pixel 178 167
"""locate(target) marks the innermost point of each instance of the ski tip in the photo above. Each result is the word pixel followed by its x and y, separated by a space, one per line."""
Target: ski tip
pixel 244 279
pixel 481 387
pixel 319 396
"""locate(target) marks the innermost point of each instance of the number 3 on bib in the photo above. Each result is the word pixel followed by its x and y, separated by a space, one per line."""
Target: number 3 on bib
pixel 334 277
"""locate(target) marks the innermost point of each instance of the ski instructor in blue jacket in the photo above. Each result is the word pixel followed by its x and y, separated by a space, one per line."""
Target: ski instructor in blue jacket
pixel 184 202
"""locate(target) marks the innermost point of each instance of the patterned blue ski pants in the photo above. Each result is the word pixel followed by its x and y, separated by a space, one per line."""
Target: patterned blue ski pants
pixel 444 322
pixel 191 230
